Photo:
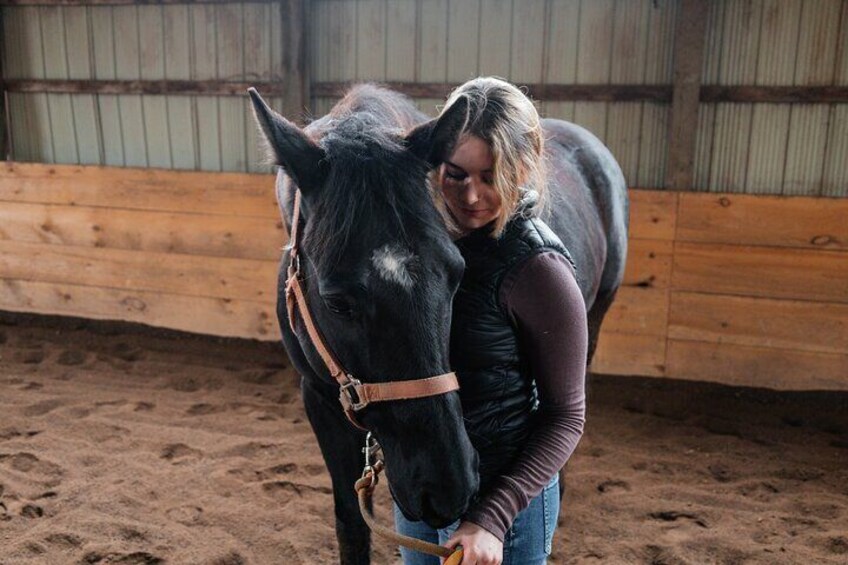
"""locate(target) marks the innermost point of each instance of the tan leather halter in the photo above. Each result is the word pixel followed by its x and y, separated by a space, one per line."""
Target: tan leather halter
pixel 353 394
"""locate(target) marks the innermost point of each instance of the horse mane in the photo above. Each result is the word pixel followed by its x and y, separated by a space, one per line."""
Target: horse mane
pixel 373 180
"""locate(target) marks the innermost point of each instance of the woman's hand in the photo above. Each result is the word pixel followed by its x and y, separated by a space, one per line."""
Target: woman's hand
pixel 479 546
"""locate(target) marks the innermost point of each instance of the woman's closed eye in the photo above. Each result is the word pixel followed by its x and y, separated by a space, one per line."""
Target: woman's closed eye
pixel 456 176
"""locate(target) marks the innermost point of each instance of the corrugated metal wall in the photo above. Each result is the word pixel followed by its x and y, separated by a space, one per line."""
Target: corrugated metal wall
pixel 556 42
pixel 177 42
pixel 775 148
pixel 742 147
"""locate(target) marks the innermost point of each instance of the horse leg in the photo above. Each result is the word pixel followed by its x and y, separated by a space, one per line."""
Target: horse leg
pixel 595 317
pixel 341 446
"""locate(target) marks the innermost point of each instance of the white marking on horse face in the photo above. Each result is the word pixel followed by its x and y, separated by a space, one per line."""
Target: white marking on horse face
pixel 392 263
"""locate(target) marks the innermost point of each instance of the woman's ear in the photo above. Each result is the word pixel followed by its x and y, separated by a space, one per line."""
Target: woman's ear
pixel 435 140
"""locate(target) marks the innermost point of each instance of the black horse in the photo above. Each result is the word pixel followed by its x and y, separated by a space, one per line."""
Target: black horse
pixel 381 271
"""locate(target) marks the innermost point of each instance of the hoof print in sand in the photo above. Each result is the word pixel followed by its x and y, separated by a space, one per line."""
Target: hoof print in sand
pixel 204 409
pixel 613 486
pixel 29 356
pixel 144 406
pixel 71 357
pixel 673 516
pixel 63 541
pixel 127 352
pixel 180 453
pixel 32 511
pixel 41 408
pixel 232 558
pixel 29 463
pixel 259 376
pixel 721 473
pixel 656 555
pixel 290 488
pixel 136 558
pixel 185 515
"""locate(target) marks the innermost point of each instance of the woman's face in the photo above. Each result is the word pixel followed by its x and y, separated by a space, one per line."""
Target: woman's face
pixel 466 178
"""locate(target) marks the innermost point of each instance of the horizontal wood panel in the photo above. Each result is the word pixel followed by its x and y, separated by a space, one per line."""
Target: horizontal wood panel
pixel 212 316
pixel 813 326
pixel 141 230
pixel 189 275
pixel 638 310
pixel 767 367
pixel 648 263
pixel 812 223
pixel 653 214
pixel 192 192
pixel 761 271
pixel 630 354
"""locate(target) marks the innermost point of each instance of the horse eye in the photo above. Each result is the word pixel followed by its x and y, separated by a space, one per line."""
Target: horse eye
pixel 339 304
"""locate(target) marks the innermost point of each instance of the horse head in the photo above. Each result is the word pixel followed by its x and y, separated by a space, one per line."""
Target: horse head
pixel 380 272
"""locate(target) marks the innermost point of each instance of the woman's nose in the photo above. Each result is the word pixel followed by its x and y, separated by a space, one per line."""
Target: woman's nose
pixel 472 193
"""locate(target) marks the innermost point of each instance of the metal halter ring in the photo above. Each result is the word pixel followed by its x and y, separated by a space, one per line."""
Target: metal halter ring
pixel 347 398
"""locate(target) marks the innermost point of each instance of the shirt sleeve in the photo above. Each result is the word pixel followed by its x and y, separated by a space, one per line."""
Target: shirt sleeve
pixel 547 308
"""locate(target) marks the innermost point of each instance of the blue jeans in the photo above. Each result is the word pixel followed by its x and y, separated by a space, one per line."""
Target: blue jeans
pixel 527 542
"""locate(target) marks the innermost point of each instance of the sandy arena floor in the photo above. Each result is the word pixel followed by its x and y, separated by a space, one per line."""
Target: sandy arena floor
pixel 120 444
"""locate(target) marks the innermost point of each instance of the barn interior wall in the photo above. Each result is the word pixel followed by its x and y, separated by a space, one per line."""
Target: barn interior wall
pixel 756 148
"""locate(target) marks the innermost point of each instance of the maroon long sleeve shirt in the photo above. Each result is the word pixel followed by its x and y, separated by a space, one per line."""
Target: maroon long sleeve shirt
pixel 547 309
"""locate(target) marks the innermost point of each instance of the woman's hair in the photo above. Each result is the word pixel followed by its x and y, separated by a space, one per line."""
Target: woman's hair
pixel 506 119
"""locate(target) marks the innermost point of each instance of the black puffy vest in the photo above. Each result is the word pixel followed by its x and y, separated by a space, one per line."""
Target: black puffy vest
pixel 497 389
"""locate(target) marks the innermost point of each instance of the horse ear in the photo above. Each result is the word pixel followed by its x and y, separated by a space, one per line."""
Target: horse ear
pixel 289 147
pixel 435 140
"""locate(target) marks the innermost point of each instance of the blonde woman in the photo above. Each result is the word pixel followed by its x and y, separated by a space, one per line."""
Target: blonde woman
pixel 518 334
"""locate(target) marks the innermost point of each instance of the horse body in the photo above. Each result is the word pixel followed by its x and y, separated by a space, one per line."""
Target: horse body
pixel 588 208
pixel 376 200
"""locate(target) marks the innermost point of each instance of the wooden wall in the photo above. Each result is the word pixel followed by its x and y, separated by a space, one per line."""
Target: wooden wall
pixel 738 289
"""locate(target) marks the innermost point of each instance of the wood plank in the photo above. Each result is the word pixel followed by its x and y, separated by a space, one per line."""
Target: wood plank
pixel 629 354
pixel 189 275
pixel 648 263
pixel 113 2
pixel 768 272
pixel 210 316
pixel 653 214
pixel 138 230
pixel 807 223
pixel 140 189
pixel 689 41
pixel 785 324
pixel 638 310
pixel 767 367
pixel 333 88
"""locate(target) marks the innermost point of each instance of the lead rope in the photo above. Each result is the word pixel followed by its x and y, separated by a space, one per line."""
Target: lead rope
pixel 365 489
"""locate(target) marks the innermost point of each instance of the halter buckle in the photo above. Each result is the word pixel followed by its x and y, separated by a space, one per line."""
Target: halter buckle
pixel 350 396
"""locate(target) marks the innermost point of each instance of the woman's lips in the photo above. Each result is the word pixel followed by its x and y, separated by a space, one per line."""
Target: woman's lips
pixel 474 213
